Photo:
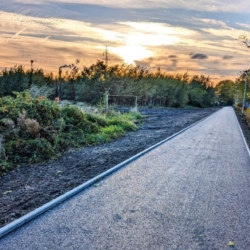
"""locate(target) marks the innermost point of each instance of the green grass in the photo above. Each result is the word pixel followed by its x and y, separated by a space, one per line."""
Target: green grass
pixel 112 132
pixel 112 126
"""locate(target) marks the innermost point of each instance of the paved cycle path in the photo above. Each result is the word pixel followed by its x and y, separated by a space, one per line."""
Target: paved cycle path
pixel 192 192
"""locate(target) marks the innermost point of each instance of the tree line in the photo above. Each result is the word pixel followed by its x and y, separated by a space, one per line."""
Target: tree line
pixel 88 84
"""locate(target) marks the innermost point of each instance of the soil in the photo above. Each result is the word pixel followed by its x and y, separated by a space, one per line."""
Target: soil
pixel 29 187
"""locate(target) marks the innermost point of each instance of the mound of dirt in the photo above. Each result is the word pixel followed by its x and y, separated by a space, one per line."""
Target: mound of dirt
pixel 29 187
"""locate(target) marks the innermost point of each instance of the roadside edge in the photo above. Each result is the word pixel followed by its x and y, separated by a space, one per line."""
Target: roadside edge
pixel 244 139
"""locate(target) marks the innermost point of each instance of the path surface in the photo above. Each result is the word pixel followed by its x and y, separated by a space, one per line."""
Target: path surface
pixel 192 192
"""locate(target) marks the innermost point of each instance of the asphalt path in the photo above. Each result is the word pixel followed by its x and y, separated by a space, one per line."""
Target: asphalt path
pixel 192 192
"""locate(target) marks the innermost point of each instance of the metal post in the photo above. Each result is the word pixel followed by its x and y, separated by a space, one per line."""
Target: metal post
pixel 59 85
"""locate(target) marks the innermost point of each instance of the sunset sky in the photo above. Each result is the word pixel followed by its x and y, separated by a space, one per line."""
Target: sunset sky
pixel 175 35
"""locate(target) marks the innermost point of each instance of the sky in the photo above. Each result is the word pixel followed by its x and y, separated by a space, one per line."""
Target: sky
pixel 195 36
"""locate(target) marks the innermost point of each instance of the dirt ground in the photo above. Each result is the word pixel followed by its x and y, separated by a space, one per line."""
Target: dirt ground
pixel 29 187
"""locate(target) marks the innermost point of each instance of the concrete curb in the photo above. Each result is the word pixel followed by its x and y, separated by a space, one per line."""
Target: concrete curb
pixel 32 215
pixel 244 139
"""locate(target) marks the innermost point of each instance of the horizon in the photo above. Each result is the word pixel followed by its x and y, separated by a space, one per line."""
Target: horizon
pixel 198 38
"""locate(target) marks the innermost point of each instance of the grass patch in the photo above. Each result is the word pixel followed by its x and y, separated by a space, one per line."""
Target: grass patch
pixel 112 132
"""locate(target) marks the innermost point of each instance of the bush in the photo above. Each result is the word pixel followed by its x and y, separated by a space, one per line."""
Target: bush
pixel 97 119
pixel 36 129
pixel 247 117
pixel 44 111
pixel 29 126
pixel 27 151
pixel 75 118
pixel 196 97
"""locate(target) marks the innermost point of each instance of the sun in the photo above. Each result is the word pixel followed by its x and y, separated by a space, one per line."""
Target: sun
pixel 132 52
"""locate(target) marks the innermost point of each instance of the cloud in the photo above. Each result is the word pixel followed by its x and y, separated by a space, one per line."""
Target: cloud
pixel 244 25
pixel 159 28
pixel 147 32
pixel 227 57
pixel 18 33
pixel 174 63
pixel 208 5
pixel 211 21
pixel 199 56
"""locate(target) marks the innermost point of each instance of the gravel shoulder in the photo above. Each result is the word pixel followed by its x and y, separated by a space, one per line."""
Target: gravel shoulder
pixel 29 187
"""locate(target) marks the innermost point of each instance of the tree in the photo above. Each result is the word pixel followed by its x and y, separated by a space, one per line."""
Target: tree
pixel 201 91
pixel 226 91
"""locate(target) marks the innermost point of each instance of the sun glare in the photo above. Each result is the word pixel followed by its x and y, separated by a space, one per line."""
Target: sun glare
pixel 132 53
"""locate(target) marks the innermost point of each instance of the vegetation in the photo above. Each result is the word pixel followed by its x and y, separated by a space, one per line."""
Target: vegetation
pixel 247 117
pixel 89 84
pixel 226 91
pixel 232 93
pixel 34 127
pixel 37 129
pixel 151 88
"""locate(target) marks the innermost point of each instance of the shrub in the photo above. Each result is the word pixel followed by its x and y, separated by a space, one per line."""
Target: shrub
pixel 30 126
pixel 75 118
pixel 36 129
pixel 6 124
pixel 26 151
pixel 247 117
pixel 44 111
pixel 97 119
pixel 196 97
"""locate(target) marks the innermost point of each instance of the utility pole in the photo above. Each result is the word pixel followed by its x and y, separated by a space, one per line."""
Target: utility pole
pixel 106 55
